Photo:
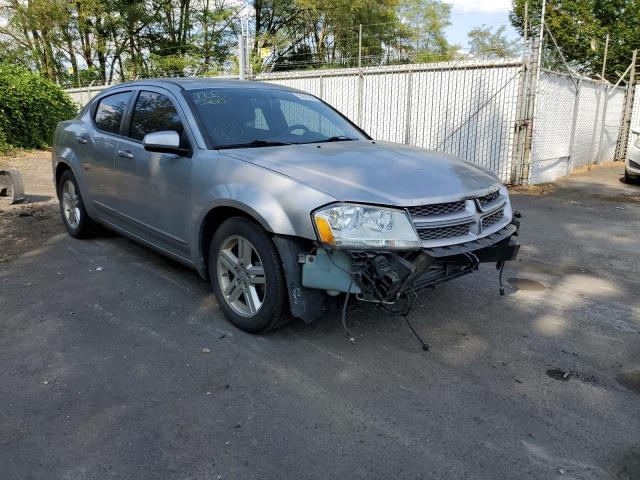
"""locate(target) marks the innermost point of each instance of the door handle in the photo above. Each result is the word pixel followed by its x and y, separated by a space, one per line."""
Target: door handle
pixel 124 154
pixel 82 140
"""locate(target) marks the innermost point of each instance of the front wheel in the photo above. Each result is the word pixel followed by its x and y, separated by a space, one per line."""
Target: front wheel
pixel 247 276
pixel 74 215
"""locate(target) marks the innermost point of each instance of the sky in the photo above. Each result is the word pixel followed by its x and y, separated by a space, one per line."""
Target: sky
pixel 467 14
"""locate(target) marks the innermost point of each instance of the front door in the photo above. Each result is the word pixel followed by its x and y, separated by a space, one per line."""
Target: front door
pixel 154 189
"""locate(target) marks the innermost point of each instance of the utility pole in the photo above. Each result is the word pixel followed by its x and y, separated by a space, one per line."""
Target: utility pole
pixel 360 76
pixel 541 37
pixel 604 61
pixel 360 46
pixel 242 48
pixel 241 65
pixel 526 23
pixel 535 64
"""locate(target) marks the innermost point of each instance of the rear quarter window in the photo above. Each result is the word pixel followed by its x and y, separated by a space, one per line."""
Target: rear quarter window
pixel 110 111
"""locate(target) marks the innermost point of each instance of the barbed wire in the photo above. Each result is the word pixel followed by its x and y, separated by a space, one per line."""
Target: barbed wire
pixel 310 65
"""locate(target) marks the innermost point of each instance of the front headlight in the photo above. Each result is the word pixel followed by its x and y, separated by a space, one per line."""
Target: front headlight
pixel 362 226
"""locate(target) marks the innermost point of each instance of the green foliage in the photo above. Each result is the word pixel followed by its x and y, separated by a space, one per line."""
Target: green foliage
pixel 317 33
pixel 4 146
pixel 168 65
pixel 484 42
pixel 425 22
pixel 30 107
pixel 580 28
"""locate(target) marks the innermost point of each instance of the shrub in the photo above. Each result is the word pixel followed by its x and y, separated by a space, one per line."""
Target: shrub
pixel 30 107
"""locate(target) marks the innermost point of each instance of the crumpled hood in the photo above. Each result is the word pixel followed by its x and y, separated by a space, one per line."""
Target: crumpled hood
pixel 380 173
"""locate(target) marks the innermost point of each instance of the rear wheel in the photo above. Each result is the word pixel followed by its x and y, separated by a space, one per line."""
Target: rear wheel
pixel 74 215
pixel 628 178
pixel 247 277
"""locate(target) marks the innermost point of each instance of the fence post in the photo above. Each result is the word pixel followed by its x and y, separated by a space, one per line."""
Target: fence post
pixel 623 137
pixel 595 127
pixel 322 86
pixel 360 77
pixel 408 106
pixel 530 106
pixel 602 124
pixel 574 122
pixel 520 124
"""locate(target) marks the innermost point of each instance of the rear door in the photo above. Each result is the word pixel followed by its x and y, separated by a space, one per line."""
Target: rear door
pixel 154 189
pixel 96 146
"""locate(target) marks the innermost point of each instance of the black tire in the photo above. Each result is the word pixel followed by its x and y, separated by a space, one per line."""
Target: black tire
pixel 628 179
pixel 274 312
pixel 85 226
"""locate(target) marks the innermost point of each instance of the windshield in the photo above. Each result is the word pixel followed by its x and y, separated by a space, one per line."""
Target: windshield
pixel 253 117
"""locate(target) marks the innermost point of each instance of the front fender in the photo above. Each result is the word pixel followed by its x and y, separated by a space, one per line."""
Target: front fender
pixel 280 204
pixel 258 203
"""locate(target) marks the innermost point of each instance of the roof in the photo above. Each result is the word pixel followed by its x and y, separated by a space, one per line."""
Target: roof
pixel 195 83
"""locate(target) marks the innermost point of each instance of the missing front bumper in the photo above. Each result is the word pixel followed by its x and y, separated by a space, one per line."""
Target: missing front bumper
pixel 384 276
pixel 380 276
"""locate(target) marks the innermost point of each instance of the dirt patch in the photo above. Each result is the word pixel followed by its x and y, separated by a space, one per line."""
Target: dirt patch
pixel 618 198
pixel 24 228
pixel 541 189
pixel 19 157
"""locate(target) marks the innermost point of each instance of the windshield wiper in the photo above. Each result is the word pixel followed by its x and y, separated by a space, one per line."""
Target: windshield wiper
pixel 337 138
pixel 253 144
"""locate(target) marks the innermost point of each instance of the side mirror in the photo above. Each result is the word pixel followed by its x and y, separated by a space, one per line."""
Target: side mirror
pixel 635 131
pixel 164 142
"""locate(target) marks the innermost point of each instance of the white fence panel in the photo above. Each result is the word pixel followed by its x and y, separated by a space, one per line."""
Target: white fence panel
pixel 81 96
pixel 635 116
pixel 552 127
pixel 384 106
pixel 469 110
pixel 584 144
pixel 463 109
pixel 612 123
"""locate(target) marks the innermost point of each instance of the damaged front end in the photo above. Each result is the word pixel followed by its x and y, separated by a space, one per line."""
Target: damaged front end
pixel 388 278
pixel 385 255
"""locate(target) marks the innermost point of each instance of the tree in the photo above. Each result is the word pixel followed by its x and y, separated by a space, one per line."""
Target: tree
pixel 424 22
pixel 579 25
pixel 484 42
pixel 76 41
pixel 317 32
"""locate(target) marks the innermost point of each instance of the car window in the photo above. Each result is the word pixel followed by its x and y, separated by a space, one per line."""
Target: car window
pixel 296 113
pixel 110 111
pixel 153 112
pixel 237 117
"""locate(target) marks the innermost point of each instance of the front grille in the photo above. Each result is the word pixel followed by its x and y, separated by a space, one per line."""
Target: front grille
pixel 450 231
pixel 436 209
pixel 488 199
pixel 492 219
pixel 633 164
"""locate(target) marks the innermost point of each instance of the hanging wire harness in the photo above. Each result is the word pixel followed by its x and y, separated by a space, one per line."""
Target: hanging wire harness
pixel 392 280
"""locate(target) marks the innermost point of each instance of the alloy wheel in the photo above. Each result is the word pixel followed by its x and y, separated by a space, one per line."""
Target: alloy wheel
pixel 71 204
pixel 241 276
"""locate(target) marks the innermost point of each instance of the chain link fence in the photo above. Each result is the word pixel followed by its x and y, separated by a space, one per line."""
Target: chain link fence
pixel 473 110
pixel 577 123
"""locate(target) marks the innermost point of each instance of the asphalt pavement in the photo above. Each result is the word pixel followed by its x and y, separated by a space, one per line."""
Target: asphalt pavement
pixel 116 362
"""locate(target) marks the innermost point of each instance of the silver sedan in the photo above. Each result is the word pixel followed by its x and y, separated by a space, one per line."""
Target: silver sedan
pixel 275 197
